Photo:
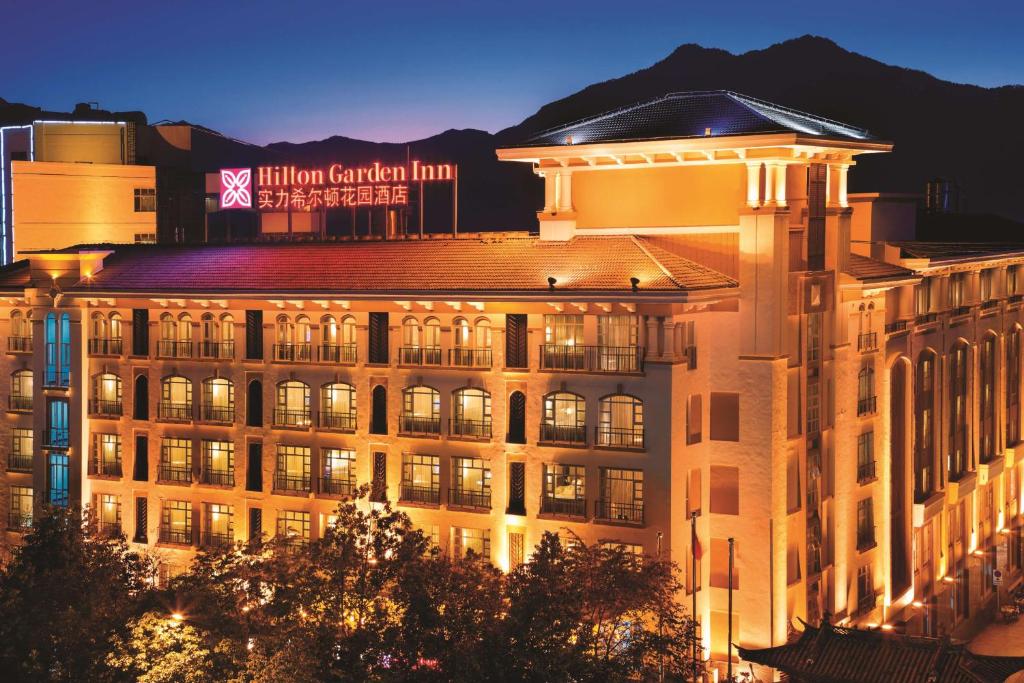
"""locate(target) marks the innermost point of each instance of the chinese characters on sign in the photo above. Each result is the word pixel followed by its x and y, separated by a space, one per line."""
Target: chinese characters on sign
pixel 287 188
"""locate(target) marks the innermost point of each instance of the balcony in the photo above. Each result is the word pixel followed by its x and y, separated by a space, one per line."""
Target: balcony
pixel 176 536
pixel 614 511
pixel 419 355
pixel 224 414
pixel 101 346
pixel 865 472
pixel 174 473
pixel 173 348
pixel 344 422
pixel 959 311
pixel 568 435
pixel 299 419
pixel 426 495
pixel 338 353
pixel 217 350
pixel 105 468
pixel 216 539
pixel 469 358
pixel 19 345
pixel 285 483
pixel 19 462
pixel 174 412
pixel 217 477
pixel 419 426
pixel 469 429
pixel 19 403
pixel 896 326
pixel 866 406
pixel 867 342
pixel 19 521
pixel 611 359
pixel 336 487
pixel 926 318
pixel 989 304
pixel 56 437
pixel 563 507
pixel 108 529
pixel 463 498
pixel 99 407
pixel 619 437
pixel 301 352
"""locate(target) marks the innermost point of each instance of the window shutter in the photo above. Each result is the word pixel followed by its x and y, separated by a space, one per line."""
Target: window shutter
pixel 140 331
pixel 516 418
pixel 516 488
pixel 254 468
pixel 817 189
pixel 254 404
pixel 141 520
pixel 516 549
pixel 379 338
pixel 141 467
pixel 141 398
pixel 379 421
pixel 254 335
pixel 379 488
pixel 255 524
pixel 516 352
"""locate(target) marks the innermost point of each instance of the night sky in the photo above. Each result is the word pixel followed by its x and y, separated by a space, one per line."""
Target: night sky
pixel 398 70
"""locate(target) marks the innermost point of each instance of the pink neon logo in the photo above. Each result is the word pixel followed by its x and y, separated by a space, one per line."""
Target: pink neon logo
pixel 236 188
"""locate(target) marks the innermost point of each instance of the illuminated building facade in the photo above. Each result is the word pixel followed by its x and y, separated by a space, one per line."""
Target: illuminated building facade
pixel 707 323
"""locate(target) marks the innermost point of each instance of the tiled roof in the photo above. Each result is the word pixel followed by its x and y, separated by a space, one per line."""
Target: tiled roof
pixel 691 115
pixel 867 269
pixel 434 266
pixel 841 655
pixel 15 276
pixel 938 252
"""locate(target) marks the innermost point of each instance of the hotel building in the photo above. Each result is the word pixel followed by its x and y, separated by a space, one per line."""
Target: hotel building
pixel 706 324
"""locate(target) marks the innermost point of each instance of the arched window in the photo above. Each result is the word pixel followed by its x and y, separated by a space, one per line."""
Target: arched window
pixel 471 408
pixel 292 408
pixel 472 344
pixel 303 337
pixel 1013 383
pixel 987 397
pixel 338 406
pixel 379 400
pixel 140 410
pixel 20 338
pixel 175 398
pixel 463 333
pixel 338 341
pixel 866 390
pixel 210 347
pixel 106 395
pixel 958 437
pixel 564 419
pixel 218 400
pixel 21 390
pixel 516 418
pixel 432 333
pixel 621 422
pixel 294 341
pixel 410 332
pixel 185 328
pixel 421 411
pixel 924 425
pixel 254 404
pixel 100 326
pixel 175 336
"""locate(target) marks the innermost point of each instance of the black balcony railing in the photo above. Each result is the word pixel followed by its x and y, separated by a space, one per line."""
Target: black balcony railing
pixel 292 418
pixel 56 437
pixel 469 358
pixel 218 477
pixel 958 311
pixel 480 500
pixel 301 352
pixel 1015 298
pixel 108 529
pixel 896 326
pixel 19 344
pixel 868 341
pixel 419 355
pixel 613 359
pixel 19 402
pixel 19 521
pixel 989 303
pixel 217 413
pixel 175 535
pixel 169 410
pixel 173 348
pixel 470 429
pixel 575 435
pixel 217 349
pixel 103 346
pixel 104 407
pixel 291 483
pixel 865 471
pixel 342 421
pixel 411 424
pixel 57 377
pixel 420 494
pixel 19 462
pixel 866 406
pixel 336 486
pixel 926 318
pixel 176 473
pixel 865 538
pixel 566 507
pixel 611 510
pixel 338 353
pixel 105 468
pixel 216 539
pixel 619 437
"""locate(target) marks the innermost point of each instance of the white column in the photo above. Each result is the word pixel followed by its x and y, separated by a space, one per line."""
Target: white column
pixel 841 182
pixel 780 184
pixel 753 183
pixel 550 179
pixel 565 192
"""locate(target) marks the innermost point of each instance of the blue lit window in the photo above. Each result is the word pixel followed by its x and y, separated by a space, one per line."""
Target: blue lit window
pixel 58 350
pixel 57 435
pixel 59 477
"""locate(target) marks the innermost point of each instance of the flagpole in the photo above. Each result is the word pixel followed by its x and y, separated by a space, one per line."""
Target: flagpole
pixel 729 646
pixel 693 585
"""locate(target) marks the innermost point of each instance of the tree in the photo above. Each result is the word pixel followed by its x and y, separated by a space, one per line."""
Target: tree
pixel 63 595
pixel 158 648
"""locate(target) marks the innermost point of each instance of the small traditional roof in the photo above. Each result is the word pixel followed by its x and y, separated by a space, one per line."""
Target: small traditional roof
pixel 950 252
pixel 692 115
pixel 832 654
pixel 867 269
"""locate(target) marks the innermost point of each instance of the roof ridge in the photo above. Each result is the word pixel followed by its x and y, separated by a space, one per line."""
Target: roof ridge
pixel 650 250
pixel 642 247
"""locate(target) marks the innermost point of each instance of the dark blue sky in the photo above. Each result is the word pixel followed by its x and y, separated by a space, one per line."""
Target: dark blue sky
pixel 399 70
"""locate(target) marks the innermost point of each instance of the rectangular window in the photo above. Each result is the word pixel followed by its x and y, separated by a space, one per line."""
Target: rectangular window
pixel 793 497
pixel 218 525
pixel 516 489
pixel 622 495
pixel 293 526
pixel 720 564
pixel 923 297
pixel 141 471
pixel 475 541
pixel 725 417
pixel 57 434
pixel 145 200
pixel 175 459
pixel 219 463
pixel 516 341
pixel 108 514
pixel 792 565
pixel 293 468
pixel 106 455
pixel 254 468
pixel 421 478
pixel 865 589
pixel 817 196
pixel 176 522
pixel 19 516
pixel 725 490
pixel 21 450
pixel 59 479
pixel 987 282
pixel 865 524
pixel 565 490
pixel 254 335
pixel 471 483
pixel 141 520
pixel 866 457
pixel 636 549
pixel 338 476
pixel 694 416
pixel 693 492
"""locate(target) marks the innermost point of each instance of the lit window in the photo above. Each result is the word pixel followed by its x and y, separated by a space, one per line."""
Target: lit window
pixel 175 459
pixel 145 199
pixel 176 522
pixel 293 468
pixel 621 422
pixel 293 527
pixel 471 542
